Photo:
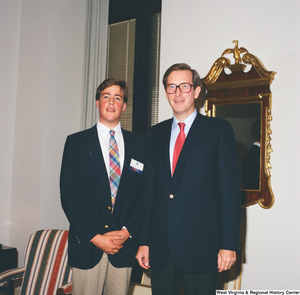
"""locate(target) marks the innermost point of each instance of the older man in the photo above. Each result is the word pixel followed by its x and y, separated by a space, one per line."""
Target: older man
pixel 191 207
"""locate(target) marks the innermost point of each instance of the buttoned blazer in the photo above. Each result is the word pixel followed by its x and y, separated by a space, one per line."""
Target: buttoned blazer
pixel 195 213
pixel 86 198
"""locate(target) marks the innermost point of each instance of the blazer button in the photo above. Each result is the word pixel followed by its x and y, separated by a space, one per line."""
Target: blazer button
pixel 171 196
pixel 109 208
pixel 106 226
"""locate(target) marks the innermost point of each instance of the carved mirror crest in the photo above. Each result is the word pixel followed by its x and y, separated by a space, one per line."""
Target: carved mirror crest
pixel 243 97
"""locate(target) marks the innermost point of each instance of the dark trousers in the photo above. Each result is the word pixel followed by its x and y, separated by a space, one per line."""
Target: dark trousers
pixel 167 281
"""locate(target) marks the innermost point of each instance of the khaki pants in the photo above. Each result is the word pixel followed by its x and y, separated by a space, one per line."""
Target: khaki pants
pixel 103 277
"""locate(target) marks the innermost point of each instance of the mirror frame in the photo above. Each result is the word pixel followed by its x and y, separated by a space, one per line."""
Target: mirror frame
pixel 240 87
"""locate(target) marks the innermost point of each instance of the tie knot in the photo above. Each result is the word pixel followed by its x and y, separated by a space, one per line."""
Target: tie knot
pixel 112 133
pixel 181 126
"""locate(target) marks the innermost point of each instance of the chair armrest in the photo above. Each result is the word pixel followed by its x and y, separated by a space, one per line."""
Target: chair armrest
pixel 12 274
pixel 65 289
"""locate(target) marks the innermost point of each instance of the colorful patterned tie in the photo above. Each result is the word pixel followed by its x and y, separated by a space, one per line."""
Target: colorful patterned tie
pixel 114 167
pixel 178 145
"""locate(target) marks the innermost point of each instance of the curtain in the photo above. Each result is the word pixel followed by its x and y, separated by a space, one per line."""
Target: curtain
pixel 94 58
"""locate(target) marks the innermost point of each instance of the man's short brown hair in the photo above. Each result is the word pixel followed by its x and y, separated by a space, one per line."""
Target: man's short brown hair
pixel 110 82
pixel 182 67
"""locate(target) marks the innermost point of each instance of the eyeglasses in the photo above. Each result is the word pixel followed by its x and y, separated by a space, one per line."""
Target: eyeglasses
pixel 184 88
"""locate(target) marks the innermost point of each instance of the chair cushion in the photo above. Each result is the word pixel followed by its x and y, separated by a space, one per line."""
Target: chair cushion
pixel 46 262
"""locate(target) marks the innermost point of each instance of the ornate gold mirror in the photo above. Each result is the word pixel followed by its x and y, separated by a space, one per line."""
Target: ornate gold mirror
pixel 240 92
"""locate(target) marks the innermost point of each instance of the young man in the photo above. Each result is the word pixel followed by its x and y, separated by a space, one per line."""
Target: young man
pixel 191 209
pixel 99 184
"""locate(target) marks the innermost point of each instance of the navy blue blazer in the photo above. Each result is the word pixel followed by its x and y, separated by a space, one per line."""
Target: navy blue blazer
pixel 195 213
pixel 86 198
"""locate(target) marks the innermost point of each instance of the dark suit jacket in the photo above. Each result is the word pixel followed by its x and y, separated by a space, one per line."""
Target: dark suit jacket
pixel 86 198
pixel 195 213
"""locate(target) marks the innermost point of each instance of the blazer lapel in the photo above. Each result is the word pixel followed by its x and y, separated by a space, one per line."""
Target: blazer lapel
pixel 96 157
pixel 164 143
pixel 127 157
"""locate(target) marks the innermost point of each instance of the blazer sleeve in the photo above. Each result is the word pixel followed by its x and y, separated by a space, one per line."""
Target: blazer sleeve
pixel 229 189
pixel 80 220
pixel 147 193
pixel 136 145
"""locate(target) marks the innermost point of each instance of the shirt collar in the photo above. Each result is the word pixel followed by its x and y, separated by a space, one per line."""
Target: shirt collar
pixel 188 121
pixel 104 130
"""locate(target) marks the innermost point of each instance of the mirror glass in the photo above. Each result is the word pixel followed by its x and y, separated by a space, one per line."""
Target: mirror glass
pixel 245 120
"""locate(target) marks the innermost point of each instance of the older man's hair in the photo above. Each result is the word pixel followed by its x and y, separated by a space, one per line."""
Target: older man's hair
pixel 182 67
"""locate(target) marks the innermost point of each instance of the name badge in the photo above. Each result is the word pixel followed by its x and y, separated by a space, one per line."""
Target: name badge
pixel 136 166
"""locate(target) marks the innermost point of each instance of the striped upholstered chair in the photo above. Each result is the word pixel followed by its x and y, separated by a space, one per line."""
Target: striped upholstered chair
pixel 46 270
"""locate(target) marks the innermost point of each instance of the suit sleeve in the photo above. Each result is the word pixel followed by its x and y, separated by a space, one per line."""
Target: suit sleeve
pixel 133 223
pixel 80 220
pixel 229 189
pixel 147 194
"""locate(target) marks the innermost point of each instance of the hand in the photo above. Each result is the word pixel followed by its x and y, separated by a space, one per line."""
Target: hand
pixel 142 257
pixel 226 259
pixel 106 243
pixel 123 232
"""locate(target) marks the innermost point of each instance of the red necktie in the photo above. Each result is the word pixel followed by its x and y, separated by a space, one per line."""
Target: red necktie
pixel 178 145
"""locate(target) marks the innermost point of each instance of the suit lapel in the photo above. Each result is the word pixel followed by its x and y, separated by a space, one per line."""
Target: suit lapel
pixel 129 148
pixel 96 157
pixel 164 148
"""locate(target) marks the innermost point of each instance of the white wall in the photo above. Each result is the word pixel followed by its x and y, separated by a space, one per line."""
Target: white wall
pixel 40 104
pixel 197 32
pixel 41 80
